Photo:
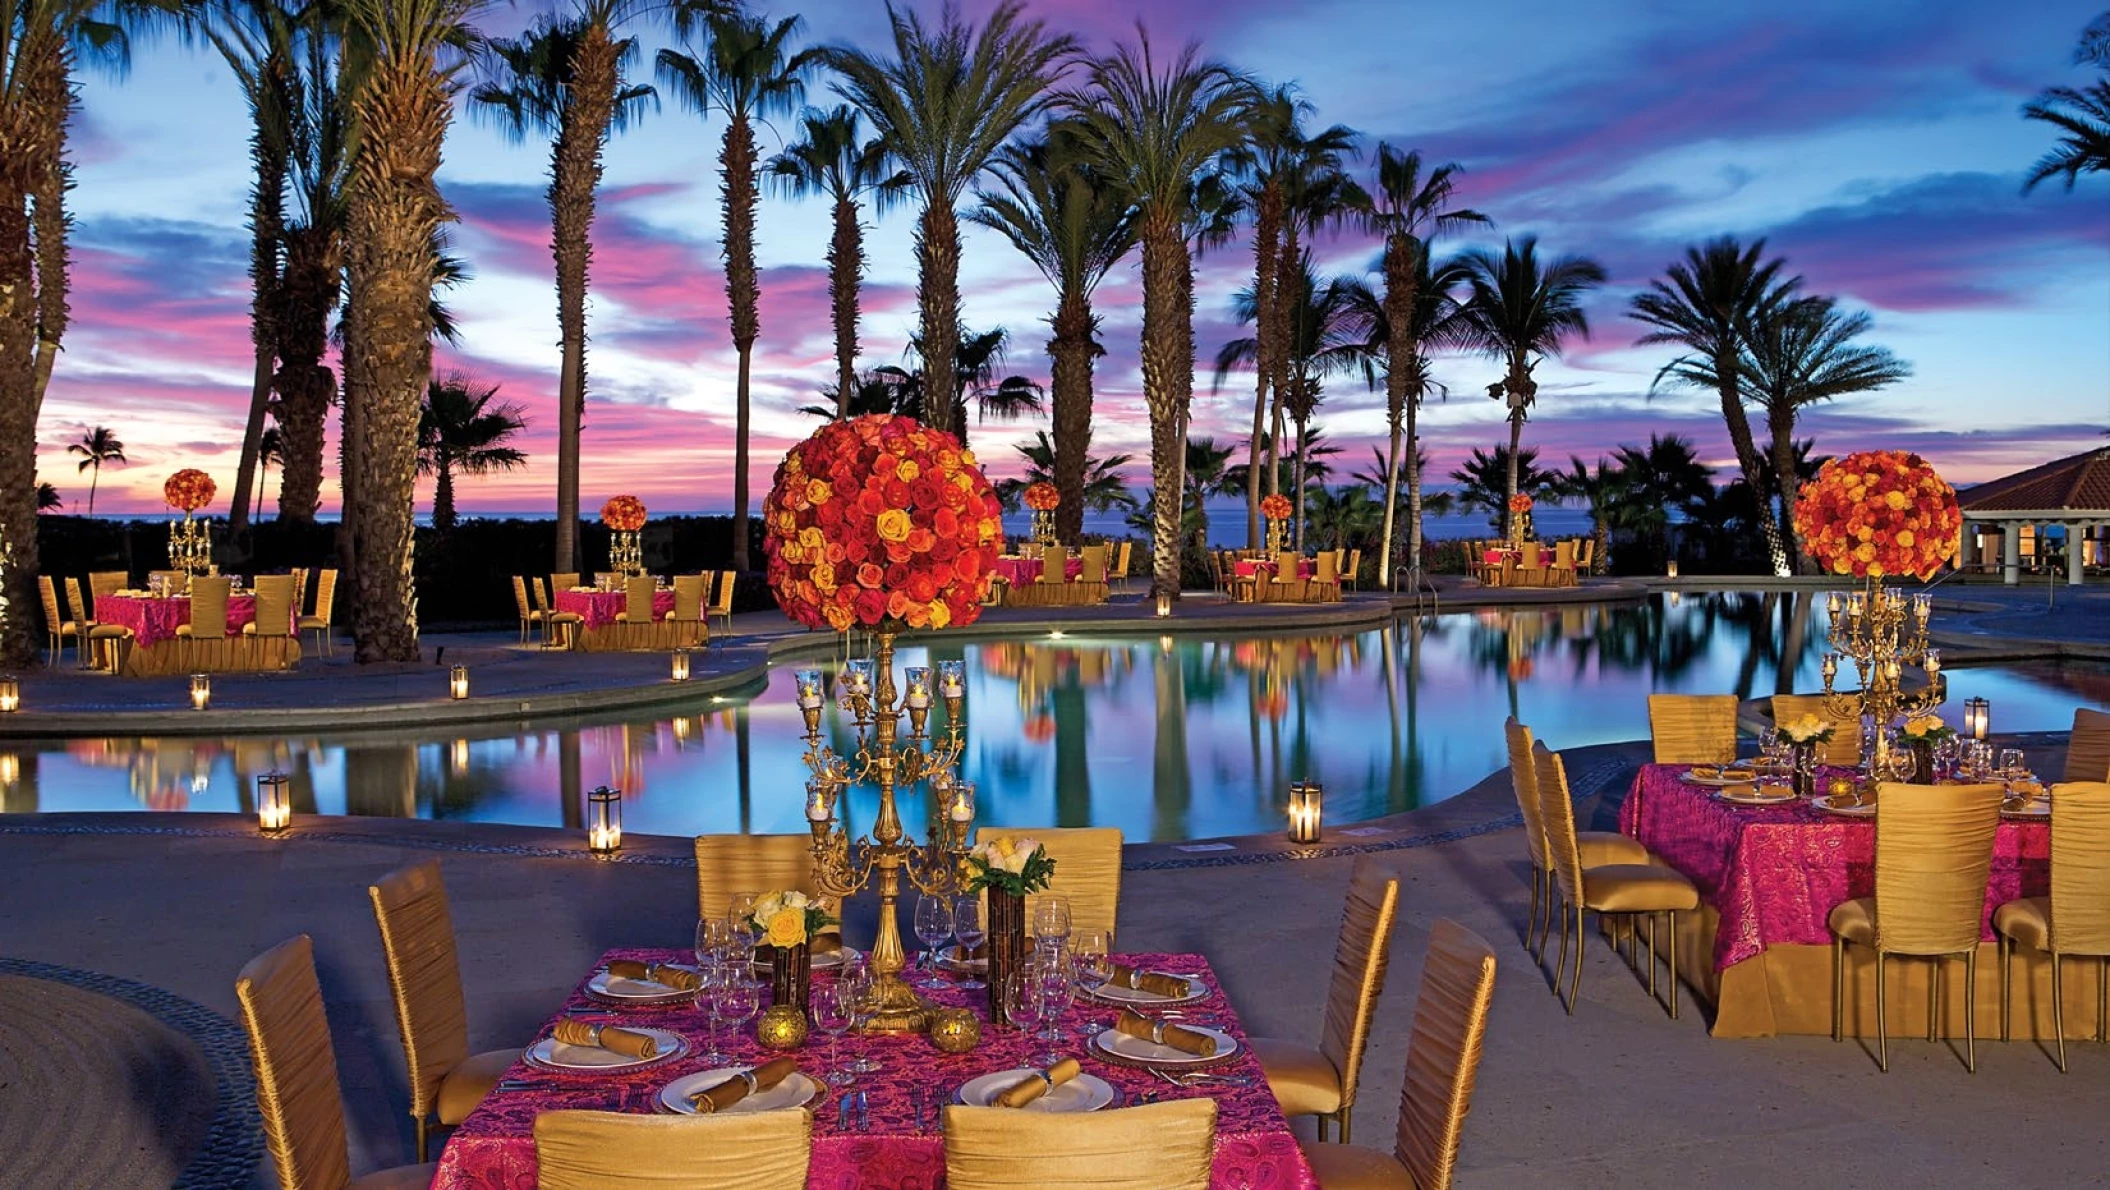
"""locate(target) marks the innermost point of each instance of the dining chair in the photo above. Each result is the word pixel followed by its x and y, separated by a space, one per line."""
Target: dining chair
pixel 107 582
pixel 1325 584
pixel 564 580
pixel 425 981
pixel 722 606
pixel 296 1076
pixel 1618 889
pixel 1285 581
pixel 208 608
pixel 690 590
pixel 1321 1081
pixel 1597 847
pixel 1934 847
pixel 84 624
pixel 729 864
pixel 57 628
pixel 1561 571
pixel 300 589
pixel 1091 578
pixel 559 628
pixel 318 621
pixel 1693 728
pixel 1443 1060
pixel 1586 557
pixel 1844 749
pixel 173 582
pixel 2088 747
pixel 274 606
pixel 1087 872
pixel 1352 573
pixel 595 1150
pixel 1531 565
pixel 637 600
pixel 530 617
pixel 1121 571
pixel 1155 1146
pixel 1055 574
pixel 2075 919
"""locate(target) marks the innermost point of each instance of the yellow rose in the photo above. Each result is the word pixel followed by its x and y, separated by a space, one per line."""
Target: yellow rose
pixel 908 470
pixel 940 615
pixel 1896 500
pixel 787 927
pixel 1923 725
pixel 894 525
pixel 818 491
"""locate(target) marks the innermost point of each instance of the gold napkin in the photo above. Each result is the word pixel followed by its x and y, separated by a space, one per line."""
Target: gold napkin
pixel 627 1042
pixel 679 978
pixel 1172 987
pixel 1038 1083
pixel 1135 1024
pixel 754 1082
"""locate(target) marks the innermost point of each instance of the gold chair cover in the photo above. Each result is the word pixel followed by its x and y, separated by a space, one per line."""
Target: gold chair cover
pixel 208 607
pixel 637 599
pixel 296 1069
pixel 563 580
pixel 424 977
pixel 1934 849
pixel 274 606
pixel 1693 728
pixel 729 864
pixel 1524 781
pixel 1158 1146
pixel 106 582
pixel 173 582
pixel 591 1150
pixel 1443 1052
pixel 318 621
pixel 722 606
pixel 1087 872
pixel 2088 748
pixel 1844 748
pixel 1323 1082
pixel 689 595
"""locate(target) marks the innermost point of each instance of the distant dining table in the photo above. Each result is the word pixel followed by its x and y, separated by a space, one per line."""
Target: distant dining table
pixel 1014 569
pixel 892 1144
pixel 157 649
pixel 155 618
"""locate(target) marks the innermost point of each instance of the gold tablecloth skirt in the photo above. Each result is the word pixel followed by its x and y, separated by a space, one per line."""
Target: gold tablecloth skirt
pixel 1071 594
pixel 657 637
pixel 231 654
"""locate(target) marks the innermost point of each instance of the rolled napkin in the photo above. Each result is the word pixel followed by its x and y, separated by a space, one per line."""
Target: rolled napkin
pixel 1172 987
pixel 1185 1040
pixel 627 1042
pixel 1038 1083
pixel 740 1086
pixel 679 978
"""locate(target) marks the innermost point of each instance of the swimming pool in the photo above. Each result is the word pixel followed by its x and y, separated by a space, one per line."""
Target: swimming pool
pixel 1168 738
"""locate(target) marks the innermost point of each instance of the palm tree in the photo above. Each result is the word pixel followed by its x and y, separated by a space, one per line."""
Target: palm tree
pixel 96 447
pixel 402 104
pixel 2081 114
pixel 311 278
pixel 1708 304
pixel 1654 481
pixel 1074 228
pixel 461 433
pixel 48 499
pixel 1104 489
pixel 564 79
pixel 1487 481
pixel 1520 311
pixel 270 452
pixel 1600 489
pixel 1206 474
pixel 946 100
pixel 1408 208
pixel 834 159
pixel 1344 518
pixel 750 75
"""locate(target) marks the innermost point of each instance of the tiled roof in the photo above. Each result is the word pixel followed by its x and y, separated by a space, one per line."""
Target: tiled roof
pixel 2080 483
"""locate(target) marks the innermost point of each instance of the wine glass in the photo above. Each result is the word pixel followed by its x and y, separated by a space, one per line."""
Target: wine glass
pixel 834 1008
pixel 1024 1004
pixel 711 981
pixel 969 926
pixel 713 936
pixel 856 981
pixel 2013 765
pixel 1051 985
pixel 740 998
pixel 1051 919
pixel 933 927
pixel 1088 968
pixel 741 915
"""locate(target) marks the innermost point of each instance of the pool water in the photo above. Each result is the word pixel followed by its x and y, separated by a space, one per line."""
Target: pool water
pixel 1168 738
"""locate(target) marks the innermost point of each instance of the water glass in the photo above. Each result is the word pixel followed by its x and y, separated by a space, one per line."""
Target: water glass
pixel 969 926
pixel 933 927
pixel 857 982
pixel 714 938
pixel 1053 986
pixel 834 1009
pixel 712 980
pixel 741 912
pixel 1051 918
pixel 2013 765
pixel 1088 967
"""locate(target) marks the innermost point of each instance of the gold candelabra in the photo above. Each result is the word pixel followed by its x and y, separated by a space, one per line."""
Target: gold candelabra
pixel 1881 631
pixel 190 545
pixel 843 868
pixel 625 553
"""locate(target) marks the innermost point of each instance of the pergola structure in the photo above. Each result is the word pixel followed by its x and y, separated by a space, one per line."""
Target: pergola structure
pixel 2073 493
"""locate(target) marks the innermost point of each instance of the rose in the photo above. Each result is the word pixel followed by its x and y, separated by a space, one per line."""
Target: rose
pixel 626 514
pixel 1808 729
pixel 787 927
pixel 189 489
pixel 1276 507
pixel 1521 502
pixel 1042 497
pixel 1927 729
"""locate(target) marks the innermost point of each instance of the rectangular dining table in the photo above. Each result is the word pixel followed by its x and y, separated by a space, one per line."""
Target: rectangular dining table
pixel 494 1149
pixel 1769 877
pixel 156 649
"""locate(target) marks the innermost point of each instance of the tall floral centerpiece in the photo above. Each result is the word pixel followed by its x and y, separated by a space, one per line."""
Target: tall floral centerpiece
pixel 1276 509
pixel 1043 499
pixel 1520 506
pixel 625 515
pixel 190 540
pixel 882 524
pixel 1873 515
pixel 1804 735
pixel 1006 869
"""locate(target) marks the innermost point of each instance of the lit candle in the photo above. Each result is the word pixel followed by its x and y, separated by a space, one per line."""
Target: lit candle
pixel 917 696
pixel 1933 663
pixel 274 802
pixel 1831 666
pixel 1833 603
pixel 811 691
pixel 1306 799
pixel 816 802
pixel 962 809
pixel 458 682
pixel 680 671
pixel 200 692
pixel 1922 606
pixel 952 679
pixel 10 695
pixel 1164 606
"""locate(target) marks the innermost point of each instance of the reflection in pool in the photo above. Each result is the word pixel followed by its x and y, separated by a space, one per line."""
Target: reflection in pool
pixel 1165 737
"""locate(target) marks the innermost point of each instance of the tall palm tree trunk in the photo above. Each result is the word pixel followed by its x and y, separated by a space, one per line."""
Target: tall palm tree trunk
pixel 1288 263
pixel 1401 281
pixel 1748 460
pixel 267 221
pixel 1516 440
pixel 742 294
pixel 938 300
pixel 395 212
pixel 575 176
pixel 1303 471
pixel 1267 234
pixel 95 478
pixel 308 295
pixel 1168 379
pixel 443 492
pixel 846 266
pixel 1780 420
pixel 1413 466
pixel 1070 352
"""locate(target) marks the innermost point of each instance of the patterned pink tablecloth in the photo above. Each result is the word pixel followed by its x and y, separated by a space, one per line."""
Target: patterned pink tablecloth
pixel 1248 568
pixel 155 620
pixel 1027 570
pixel 1774 873
pixel 600 608
pixel 494 1149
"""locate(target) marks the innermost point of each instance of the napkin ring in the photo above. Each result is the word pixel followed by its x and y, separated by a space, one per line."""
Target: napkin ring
pixel 748 1077
pixel 593 1033
pixel 1046 1080
pixel 1157 1032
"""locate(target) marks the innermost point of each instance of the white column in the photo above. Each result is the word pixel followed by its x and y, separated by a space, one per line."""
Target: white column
pixel 2011 552
pixel 2076 552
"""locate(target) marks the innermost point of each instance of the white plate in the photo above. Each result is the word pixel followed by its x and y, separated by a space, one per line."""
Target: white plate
pixel 1084 1093
pixel 644 991
pixel 553 1054
pixel 1756 795
pixel 1719 782
pixel 2039 807
pixel 1864 810
pixel 827 960
pixel 1196 990
pixel 1136 1049
pixel 797 1090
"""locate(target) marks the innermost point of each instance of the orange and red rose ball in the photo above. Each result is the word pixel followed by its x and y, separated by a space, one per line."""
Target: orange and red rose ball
pixel 1276 507
pixel 1042 497
pixel 1879 513
pixel 189 489
pixel 624 514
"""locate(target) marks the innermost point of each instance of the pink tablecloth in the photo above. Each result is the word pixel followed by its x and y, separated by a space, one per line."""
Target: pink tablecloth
pixel 1027 570
pixel 600 608
pixel 494 1149
pixel 155 620
pixel 1774 873
pixel 1306 568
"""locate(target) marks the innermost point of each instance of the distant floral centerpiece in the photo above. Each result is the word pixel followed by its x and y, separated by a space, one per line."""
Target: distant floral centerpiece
pixel 1521 502
pixel 1010 865
pixel 189 489
pixel 624 514
pixel 1520 506
pixel 1926 729
pixel 1042 497
pixel 1276 507
pixel 1876 513
pixel 1807 730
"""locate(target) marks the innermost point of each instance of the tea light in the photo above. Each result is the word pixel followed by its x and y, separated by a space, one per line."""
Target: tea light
pixel 10 695
pixel 1671 571
pixel 604 821
pixel 952 679
pixel 1840 787
pixel 1933 662
pixel 817 802
pixel 1977 717
pixel 1834 604
pixel 812 692
pixel 917 696
pixel 458 682
pixel 1922 607
pixel 274 802
pixel 680 670
pixel 200 692
pixel 1306 808
pixel 962 808
pixel 1164 605
pixel 1831 667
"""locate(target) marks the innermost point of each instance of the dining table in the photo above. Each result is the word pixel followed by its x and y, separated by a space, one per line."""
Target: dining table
pixel 155 618
pixel 1770 875
pixel 598 609
pixel 889 1143
pixel 1307 568
pixel 1014 569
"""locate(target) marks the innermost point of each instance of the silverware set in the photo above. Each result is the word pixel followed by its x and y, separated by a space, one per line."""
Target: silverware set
pixel 853 1112
pixel 1195 1078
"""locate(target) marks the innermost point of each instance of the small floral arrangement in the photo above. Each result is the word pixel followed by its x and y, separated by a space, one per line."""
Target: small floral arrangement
pixel 1521 502
pixel 189 489
pixel 1276 507
pixel 1809 729
pixel 1042 497
pixel 789 918
pixel 1926 729
pixel 624 514
pixel 1016 866
pixel 1879 512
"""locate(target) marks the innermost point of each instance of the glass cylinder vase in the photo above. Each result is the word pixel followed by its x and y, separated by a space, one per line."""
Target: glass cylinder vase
pixel 791 975
pixel 1007 949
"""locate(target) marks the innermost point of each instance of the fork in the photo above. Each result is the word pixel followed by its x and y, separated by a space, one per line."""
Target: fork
pixel 864 1111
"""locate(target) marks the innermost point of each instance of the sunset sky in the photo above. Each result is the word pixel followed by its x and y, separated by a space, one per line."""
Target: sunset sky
pixel 1878 147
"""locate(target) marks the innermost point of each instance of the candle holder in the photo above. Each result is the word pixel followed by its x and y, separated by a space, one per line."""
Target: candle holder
pixel 626 552
pixel 190 545
pixel 604 821
pixel 1671 570
pixel 274 802
pixel 1306 811
pixel 10 695
pixel 1881 632
pixel 1164 606
pixel 883 859
pixel 679 670
pixel 1977 717
pixel 458 682
pixel 200 692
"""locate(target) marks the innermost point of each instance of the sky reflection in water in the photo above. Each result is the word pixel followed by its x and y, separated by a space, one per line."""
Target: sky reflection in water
pixel 1166 738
